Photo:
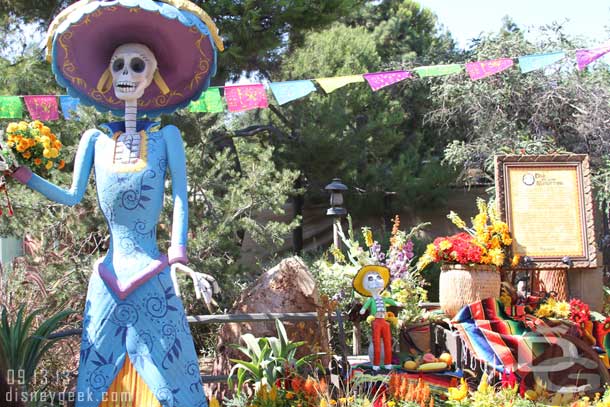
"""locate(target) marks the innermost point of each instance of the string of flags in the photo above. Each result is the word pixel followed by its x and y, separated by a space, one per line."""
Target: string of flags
pixel 240 98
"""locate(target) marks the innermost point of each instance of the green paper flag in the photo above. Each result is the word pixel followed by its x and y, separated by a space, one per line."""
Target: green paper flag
pixel 210 101
pixel 438 70
pixel 11 107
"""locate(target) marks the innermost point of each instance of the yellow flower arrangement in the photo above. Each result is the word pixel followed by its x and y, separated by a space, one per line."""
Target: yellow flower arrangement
pixel 34 145
pixel 486 242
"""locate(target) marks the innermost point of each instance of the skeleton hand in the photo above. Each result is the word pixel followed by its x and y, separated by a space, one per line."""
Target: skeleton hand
pixel 205 285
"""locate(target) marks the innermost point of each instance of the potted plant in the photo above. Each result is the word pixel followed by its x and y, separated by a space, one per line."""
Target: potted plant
pixel 470 260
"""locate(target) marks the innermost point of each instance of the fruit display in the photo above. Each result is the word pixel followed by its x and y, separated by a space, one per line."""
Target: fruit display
pixel 429 363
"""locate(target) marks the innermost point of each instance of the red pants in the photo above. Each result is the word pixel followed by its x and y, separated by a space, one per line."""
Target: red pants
pixel 381 329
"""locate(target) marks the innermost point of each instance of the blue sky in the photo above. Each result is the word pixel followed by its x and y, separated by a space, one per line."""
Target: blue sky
pixel 465 19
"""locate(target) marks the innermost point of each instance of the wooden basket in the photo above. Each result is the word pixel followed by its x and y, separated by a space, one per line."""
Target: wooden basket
pixel 461 285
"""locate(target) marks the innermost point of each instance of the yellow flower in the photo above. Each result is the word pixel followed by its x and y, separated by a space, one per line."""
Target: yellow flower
pixel 515 261
pixel 273 393
pixel 37 124
pixel 289 395
pixel 45 131
pixel 49 165
pixel 391 403
pixel 497 256
pixel 495 243
pixel 480 223
pixel 483 385
pixel 337 254
pixel 22 126
pixel 12 127
pixel 562 309
pixel 445 244
pixel 456 220
pixel 46 153
pixel 482 206
pixel 458 393
pixel 544 311
pixel 368 237
pixel 323 403
pixel 333 402
pixel 370 319
pixel 54 152
pixel 213 402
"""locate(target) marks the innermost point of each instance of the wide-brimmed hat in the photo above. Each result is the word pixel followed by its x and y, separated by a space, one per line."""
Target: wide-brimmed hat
pixel 383 271
pixel 184 39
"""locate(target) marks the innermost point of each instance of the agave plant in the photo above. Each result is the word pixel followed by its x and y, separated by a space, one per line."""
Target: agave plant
pixel 269 359
pixel 20 348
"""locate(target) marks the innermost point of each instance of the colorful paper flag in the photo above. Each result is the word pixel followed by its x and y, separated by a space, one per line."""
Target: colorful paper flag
pixel 585 56
pixel 285 92
pixel 483 69
pixel 438 70
pixel 380 80
pixel 331 84
pixel 246 97
pixel 210 101
pixel 42 108
pixel 529 63
pixel 69 106
pixel 11 107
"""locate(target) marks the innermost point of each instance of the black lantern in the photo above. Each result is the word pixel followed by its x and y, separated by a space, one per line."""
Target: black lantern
pixel 336 188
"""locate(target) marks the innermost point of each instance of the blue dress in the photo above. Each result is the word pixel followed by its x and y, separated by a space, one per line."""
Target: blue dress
pixel 131 308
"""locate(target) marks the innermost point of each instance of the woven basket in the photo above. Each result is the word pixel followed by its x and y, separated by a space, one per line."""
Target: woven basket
pixel 461 285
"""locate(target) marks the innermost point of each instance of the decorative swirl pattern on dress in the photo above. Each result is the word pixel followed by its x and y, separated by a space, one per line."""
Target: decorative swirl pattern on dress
pixel 125 314
pixel 132 199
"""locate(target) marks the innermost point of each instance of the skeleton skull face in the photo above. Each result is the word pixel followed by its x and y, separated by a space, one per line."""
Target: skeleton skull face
pixel 133 67
pixel 373 282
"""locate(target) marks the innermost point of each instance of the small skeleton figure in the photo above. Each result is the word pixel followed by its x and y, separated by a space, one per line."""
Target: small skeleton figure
pixel 370 282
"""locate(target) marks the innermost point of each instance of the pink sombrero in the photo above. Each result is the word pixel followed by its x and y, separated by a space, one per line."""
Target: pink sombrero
pixel 182 36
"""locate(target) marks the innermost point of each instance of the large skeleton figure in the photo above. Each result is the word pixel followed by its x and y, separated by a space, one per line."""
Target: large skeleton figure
pixel 134 326
pixel 133 67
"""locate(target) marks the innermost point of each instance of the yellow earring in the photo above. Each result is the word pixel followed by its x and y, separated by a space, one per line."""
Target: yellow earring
pixel 161 82
pixel 105 82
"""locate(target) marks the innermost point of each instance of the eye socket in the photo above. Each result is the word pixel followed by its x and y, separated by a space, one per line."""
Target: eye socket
pixel 118 64
pixel 137 65
pixel 370 278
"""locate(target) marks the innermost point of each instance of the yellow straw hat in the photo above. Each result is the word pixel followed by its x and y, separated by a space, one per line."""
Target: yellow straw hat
pixel 383 271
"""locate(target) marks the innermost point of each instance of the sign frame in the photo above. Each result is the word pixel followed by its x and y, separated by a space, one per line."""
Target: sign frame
pixel 580 163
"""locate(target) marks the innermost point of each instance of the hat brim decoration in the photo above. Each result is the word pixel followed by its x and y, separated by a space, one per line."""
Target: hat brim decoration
pixel 358 280
pixel 82 39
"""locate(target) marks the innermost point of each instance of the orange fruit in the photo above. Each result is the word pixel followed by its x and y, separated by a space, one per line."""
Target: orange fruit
pixel 446 357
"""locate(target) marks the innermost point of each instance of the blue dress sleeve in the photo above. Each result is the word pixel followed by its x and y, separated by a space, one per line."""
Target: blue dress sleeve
pixel 82 168
pixel 176 160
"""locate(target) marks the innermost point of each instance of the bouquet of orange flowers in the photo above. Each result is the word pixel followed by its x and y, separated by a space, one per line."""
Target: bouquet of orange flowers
pixel 34 145
pixel 487 242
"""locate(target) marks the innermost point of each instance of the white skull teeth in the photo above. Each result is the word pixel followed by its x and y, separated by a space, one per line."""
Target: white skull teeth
pixel 127 87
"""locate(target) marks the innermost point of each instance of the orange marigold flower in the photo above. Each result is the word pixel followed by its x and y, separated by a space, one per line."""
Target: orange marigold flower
pixel 27 155
pixel 37 161
pixel 61 164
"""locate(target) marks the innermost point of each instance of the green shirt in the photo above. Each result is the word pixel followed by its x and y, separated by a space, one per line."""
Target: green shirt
pixel 371 305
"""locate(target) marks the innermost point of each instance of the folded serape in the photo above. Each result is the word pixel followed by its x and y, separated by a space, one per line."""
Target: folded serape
pixel 527 345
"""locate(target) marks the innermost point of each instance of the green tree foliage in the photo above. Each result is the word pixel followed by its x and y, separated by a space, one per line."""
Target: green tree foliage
pixel 372 140
pixel 554 108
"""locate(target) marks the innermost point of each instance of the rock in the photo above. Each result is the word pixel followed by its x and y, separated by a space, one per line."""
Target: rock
pixel 287 287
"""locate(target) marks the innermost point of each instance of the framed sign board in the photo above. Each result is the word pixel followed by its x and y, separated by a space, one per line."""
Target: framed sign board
pixel 547 203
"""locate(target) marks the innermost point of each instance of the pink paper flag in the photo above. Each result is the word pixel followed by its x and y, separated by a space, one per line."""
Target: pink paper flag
pixel 42 108
pixel 482 69
pixel 246 97
pixel 380 80
pixel 585 56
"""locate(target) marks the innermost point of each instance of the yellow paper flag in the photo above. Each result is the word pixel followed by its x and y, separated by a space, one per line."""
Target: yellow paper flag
pixel 331 84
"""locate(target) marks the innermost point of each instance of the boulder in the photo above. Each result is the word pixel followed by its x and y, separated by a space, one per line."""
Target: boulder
pixel 287 287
